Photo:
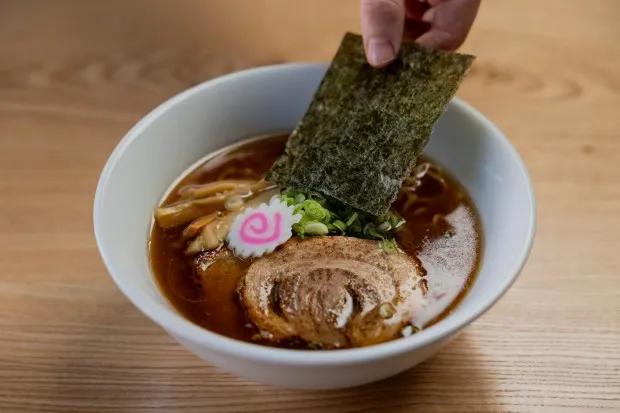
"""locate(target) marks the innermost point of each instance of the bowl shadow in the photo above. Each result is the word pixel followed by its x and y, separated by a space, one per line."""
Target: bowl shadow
pixel 127 364
pixel 453 380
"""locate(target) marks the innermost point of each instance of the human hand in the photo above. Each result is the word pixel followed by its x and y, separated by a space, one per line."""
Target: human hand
pixel 441 24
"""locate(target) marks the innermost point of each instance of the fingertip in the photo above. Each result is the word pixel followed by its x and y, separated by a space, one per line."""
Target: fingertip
pixel 439 40
pixel 380 52
pixel 382 28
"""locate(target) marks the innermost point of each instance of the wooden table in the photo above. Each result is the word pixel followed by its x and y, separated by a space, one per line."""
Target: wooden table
pixel 74 77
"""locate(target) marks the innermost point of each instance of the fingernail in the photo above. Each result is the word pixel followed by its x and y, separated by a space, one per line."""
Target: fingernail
pixel 380 52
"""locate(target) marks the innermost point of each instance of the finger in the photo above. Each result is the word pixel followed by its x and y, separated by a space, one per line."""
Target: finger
pixel 439 39
pixel 414 26
pixel 382 29
pixel 415 9
pixel 451 21
pixel 414 29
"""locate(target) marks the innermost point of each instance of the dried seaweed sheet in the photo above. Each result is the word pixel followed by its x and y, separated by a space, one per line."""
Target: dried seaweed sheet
pixel 365 127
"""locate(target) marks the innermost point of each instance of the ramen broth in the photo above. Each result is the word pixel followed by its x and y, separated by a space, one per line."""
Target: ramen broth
pixel 442 230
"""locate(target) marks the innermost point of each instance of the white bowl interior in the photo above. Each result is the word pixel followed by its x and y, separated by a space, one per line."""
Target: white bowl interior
pixel 498 185
pixel 175 136
pixel 186 128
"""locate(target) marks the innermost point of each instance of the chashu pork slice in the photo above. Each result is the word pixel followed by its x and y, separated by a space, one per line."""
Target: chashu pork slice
pixel 332 291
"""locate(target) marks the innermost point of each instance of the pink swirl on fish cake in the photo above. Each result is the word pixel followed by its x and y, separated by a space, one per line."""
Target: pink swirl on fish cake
pixel 257 231
pixel 252 234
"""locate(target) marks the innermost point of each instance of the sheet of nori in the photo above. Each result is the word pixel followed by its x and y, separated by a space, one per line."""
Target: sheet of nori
pixel 365 127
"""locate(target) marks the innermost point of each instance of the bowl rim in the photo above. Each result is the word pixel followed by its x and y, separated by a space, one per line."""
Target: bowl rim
pixel 175 324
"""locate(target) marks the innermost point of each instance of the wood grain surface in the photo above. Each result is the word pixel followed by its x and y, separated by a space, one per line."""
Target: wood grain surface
pixel 75 76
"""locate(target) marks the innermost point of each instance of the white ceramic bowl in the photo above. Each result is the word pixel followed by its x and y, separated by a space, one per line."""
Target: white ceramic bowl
pixel 272 99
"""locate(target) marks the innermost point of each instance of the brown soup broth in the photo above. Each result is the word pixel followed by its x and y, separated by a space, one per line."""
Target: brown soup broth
pixel 212 302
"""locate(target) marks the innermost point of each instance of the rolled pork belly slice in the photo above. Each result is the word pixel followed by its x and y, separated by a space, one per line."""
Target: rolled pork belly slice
pixel 333 292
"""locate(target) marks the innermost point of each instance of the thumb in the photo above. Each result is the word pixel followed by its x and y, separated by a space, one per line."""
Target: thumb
pixel 382 29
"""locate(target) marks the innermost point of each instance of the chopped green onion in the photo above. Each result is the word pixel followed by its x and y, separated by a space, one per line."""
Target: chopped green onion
pixel 356 227
pixel 389 245
pixel 316 228
pixel 299 198
pixel 351 219
pixel 314 210
pixel 340 225
pixel 298 229
pixel 321 216
pixel 370 231
pixel 384 226
pixel 328 216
